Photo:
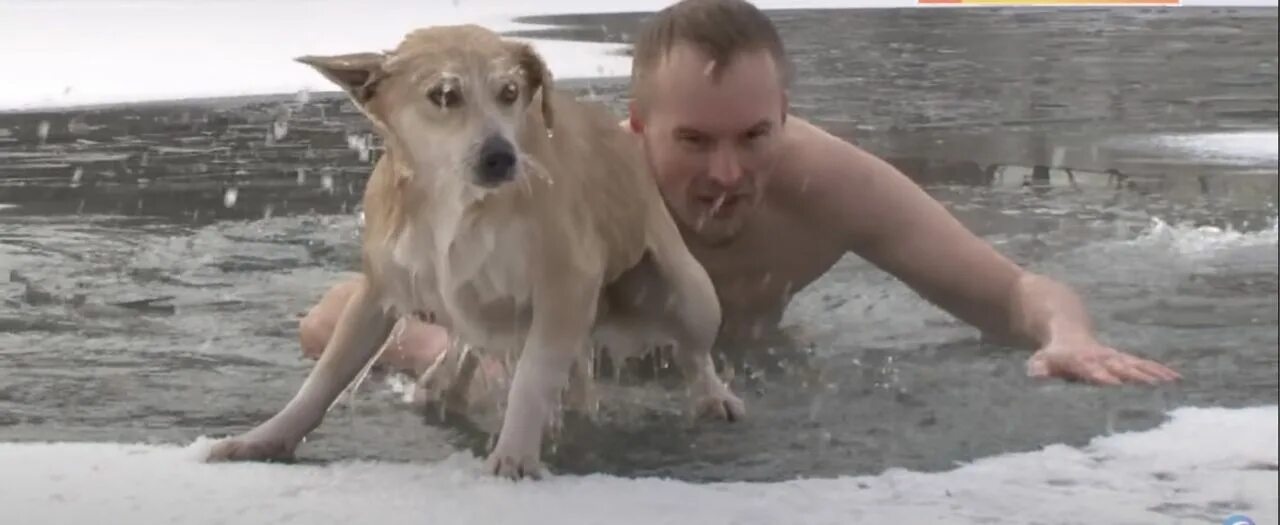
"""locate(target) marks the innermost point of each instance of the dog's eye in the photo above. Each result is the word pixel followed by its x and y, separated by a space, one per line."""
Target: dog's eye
pixel 445 96
pixel 509 93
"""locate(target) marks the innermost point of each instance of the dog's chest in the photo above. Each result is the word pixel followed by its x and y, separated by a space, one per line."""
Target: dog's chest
pixel 475 280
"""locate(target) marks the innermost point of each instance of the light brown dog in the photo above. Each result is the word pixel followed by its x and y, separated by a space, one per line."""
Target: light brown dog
pixel 517 217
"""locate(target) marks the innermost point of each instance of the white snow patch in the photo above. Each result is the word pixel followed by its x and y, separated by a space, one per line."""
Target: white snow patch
pixel 1199 467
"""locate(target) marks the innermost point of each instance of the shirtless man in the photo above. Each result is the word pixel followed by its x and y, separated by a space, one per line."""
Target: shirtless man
pixel 768 203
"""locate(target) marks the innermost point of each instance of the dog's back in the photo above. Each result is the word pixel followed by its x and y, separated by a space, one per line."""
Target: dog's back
pixel 612 187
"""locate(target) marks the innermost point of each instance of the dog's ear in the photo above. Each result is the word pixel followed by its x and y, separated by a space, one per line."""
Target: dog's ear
pixel 357 74
pixel 537 76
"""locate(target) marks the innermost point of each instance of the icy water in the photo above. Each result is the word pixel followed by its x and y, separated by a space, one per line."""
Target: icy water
pixel 156 257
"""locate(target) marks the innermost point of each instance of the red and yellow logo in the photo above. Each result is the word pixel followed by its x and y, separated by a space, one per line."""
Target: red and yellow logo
pixel 1050 2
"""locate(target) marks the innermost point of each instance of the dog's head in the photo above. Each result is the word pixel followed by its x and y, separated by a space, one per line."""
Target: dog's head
pixel 452 99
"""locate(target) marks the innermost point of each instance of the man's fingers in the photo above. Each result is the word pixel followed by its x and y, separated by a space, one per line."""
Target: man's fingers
pixel 1115 369
pixel 1099 373
pixel 1131 368
pixel 1163 372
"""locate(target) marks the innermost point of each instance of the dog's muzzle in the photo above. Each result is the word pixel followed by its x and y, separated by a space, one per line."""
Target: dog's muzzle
pixel 497 162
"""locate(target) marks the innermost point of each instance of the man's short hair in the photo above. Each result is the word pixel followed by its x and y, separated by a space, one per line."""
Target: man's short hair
pixel 721 29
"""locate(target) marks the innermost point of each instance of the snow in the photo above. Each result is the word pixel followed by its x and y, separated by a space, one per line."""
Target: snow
pixel 1202 465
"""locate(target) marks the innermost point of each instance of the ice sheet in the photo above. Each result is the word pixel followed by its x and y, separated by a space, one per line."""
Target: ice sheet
pixel 88 52
pixel 1202 465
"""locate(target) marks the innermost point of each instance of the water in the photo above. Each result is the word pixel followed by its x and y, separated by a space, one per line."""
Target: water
pixel 171 248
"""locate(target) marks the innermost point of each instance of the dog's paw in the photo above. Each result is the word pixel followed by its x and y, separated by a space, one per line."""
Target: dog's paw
pixel 721 404
pixel 515 466
pixel 249 448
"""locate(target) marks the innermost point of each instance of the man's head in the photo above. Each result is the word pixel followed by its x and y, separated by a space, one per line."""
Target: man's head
pixel 709 81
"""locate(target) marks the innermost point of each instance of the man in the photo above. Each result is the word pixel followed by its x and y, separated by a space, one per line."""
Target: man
pixel 768 203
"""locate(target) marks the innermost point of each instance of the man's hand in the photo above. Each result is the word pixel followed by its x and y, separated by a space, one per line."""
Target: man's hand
pixel 1096 363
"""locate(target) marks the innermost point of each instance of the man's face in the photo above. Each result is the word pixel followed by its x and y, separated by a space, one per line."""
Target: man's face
pixel 711 142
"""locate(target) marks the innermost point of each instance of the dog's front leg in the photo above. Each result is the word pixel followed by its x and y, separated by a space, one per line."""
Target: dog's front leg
pixel 361 331
pixel 562 319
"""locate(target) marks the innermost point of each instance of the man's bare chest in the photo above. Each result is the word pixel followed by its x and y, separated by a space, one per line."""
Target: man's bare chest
pixel 762 269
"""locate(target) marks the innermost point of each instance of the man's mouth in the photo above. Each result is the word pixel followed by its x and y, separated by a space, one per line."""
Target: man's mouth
pixel 719 205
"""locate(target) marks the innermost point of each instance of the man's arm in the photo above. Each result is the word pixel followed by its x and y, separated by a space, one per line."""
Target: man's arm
pixel 890 221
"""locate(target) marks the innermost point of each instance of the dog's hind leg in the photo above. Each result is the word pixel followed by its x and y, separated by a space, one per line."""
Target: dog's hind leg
pixel 670 291
pixel 692 317
pixel 360 333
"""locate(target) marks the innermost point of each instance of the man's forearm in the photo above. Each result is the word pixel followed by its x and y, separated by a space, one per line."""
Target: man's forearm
pixel 1045 310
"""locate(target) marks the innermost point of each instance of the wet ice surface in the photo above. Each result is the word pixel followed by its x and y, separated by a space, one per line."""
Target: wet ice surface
pixel 232 217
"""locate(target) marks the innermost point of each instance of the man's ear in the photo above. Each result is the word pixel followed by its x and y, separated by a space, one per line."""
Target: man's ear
pixel 786 105
pixel 537 76
pixel 358 74
pixel 634 119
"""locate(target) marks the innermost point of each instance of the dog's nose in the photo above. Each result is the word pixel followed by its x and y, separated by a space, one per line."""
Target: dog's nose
pixel 497 162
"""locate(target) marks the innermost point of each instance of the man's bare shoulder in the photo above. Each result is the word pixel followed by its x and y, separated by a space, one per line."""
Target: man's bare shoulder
pixel 813 155
pixel 830 182
pixel 817 167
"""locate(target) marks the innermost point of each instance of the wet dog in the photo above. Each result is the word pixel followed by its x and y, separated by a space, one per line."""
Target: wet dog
pixel 522 220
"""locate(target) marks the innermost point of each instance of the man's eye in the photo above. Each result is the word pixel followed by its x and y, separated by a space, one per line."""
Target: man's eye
pixel 693 140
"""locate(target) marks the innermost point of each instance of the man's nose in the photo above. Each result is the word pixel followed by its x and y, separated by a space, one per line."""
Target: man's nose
pixel 726 170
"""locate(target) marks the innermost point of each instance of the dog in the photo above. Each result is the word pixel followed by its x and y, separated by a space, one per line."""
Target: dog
pixel 519 218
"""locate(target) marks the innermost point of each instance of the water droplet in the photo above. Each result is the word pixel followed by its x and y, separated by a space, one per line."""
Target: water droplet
pixel 280 129
pixel 361 144
pixel 229 198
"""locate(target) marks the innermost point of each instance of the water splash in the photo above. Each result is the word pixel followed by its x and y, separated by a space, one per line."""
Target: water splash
pixel 280 128
pixel 361 143
pixel 1190 240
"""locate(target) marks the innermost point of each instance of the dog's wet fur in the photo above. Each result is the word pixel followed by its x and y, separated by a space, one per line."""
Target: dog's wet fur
pixel 522 220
